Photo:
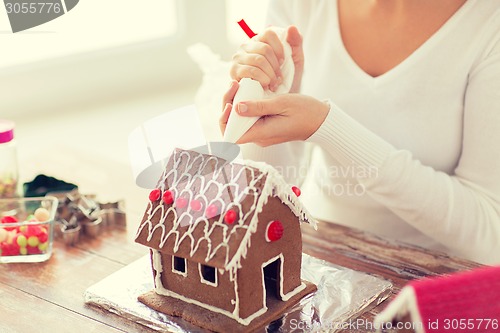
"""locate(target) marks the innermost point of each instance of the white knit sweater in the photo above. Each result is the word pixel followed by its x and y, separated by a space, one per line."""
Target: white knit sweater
pixel 413 154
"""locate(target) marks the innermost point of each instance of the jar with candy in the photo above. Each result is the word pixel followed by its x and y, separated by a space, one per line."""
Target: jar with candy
pixel 26 229
pixel 9 176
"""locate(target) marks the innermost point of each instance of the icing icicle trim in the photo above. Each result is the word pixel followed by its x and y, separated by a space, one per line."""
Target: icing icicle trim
pixel 186 180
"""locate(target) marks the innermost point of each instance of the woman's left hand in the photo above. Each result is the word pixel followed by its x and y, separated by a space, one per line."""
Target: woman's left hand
pixel 289 117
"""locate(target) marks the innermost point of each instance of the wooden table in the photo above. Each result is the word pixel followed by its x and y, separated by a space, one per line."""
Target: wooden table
pixel 48 297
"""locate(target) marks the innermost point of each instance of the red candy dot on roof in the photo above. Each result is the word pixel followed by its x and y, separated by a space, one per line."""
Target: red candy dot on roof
pixel 196 205
pixel 296 190
pixel 168 197
pixel 154 194
pixel 181 202
pixel 212 211
pixel 274 231
pixel 230 216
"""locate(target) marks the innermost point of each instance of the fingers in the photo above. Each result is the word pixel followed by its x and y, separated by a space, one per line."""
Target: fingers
pixel 260 59
pixel 262 55
pixel 285 118
pixel 253 134
pixel 271 38
pixel 257 67
pixel 229 95
pixel 260 108
pixel 227 101
pixel 225 117
pixel 259 133
pixel 247 71
pixel 294 38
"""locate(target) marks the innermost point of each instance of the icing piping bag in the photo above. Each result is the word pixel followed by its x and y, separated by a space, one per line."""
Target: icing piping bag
pixel 252 90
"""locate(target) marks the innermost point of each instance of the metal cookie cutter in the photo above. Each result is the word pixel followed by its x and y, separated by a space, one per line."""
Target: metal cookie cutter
pixel 81 214
pixel 88 217
pixel 113 214
pixel 68 231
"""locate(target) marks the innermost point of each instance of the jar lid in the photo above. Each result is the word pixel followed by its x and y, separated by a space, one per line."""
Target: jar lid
pixel 6 131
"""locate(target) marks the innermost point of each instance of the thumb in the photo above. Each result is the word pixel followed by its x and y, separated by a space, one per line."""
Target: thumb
pixel 259 108
pixel 294 38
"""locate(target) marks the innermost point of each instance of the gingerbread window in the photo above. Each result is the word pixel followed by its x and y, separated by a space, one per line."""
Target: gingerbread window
pixel 179 265
pixel 208 275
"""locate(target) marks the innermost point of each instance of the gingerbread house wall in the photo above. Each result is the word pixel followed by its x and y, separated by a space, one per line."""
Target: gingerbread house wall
pixel 250 284
pixel 191 286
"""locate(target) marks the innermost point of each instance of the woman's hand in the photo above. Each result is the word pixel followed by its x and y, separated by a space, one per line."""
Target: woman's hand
pixel 289 117
pixel 261 57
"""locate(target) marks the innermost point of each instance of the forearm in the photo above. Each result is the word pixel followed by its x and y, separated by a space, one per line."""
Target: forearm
pixel 453 211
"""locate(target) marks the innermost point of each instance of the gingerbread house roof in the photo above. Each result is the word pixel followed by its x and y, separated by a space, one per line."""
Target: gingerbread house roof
pixel 200 189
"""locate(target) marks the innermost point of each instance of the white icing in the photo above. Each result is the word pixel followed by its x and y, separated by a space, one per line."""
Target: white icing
pixel 267 232
pixel 404 303
pixel 158 267
pixel 202 279
pixel 273 186
pixel 284 297
pixel 160 289
pixel 282 190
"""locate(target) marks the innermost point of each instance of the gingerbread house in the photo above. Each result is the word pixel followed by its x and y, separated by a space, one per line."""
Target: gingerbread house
pixel 225 241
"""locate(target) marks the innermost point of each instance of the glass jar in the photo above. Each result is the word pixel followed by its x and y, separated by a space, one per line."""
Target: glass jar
pixel 9 175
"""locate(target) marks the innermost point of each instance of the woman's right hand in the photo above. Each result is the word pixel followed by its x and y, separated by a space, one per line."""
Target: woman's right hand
pixel 261 57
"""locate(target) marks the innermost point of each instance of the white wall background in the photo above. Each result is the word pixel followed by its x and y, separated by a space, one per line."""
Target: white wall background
pixel 112 50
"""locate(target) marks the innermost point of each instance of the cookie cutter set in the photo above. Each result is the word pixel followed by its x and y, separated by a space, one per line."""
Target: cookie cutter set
pixel 79 214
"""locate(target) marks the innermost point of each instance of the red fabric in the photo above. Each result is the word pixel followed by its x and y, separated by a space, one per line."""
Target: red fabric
pixel 462 302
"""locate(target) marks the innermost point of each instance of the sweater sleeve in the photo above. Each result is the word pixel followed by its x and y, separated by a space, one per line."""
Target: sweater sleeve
pixel 461 210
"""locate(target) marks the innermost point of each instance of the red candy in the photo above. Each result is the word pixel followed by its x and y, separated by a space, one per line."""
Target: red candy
pixel 32 230
pixel 168 197
pixel 181 202
pixel 9 249
pixel 9 219
pixel 296 190
pixel 33 250
pixel 274 231
pixel 212 211
pixel 230 216
pixel 154 195
pixel 19 241
pixel 196 205
pixel 43 237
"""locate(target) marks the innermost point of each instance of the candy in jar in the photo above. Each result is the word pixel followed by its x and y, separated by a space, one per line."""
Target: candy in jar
pixel 9 176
